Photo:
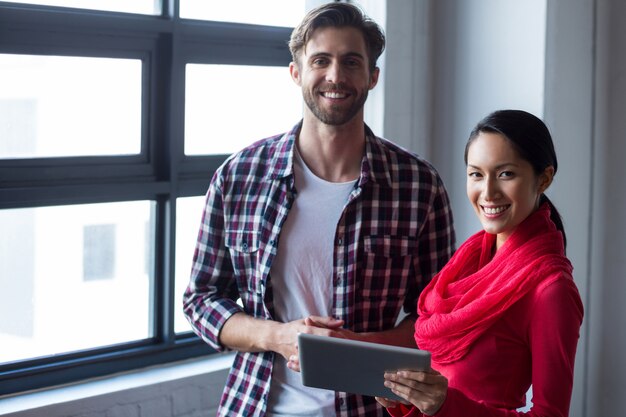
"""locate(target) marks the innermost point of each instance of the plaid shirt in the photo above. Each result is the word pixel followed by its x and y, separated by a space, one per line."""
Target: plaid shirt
pixel 394 234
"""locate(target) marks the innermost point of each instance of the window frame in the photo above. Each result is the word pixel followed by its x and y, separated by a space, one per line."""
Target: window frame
pixel 161 172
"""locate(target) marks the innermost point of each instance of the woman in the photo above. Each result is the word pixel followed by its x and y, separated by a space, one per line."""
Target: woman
pixel 504 313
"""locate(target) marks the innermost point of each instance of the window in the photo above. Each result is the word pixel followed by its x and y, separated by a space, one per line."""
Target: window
pixel 62 106
pixel 134 6
pixel 113 118
pixel 81 285
pixel 245 11
pixel 209 97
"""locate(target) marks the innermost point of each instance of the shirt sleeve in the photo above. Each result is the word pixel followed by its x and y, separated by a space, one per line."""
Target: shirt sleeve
pixel 210 297
pixel 554 332
pixel 436 240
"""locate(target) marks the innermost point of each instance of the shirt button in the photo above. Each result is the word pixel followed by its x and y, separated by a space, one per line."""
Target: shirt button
pixel 245 245
pixel 340 241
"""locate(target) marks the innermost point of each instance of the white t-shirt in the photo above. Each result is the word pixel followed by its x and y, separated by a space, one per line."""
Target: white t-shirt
pixel 301 277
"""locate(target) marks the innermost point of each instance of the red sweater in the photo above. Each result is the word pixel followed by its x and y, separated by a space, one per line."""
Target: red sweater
pixel 533 343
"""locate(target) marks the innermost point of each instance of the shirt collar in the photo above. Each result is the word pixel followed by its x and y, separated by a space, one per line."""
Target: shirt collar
pixel 374 165
pixel 281 165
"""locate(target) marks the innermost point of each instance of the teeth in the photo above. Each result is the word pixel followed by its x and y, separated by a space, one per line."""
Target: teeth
pixel 334 94
pixel 494 210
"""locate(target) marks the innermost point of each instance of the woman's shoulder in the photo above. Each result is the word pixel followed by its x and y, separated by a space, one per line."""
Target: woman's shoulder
pixel 557 294
pixel 557 282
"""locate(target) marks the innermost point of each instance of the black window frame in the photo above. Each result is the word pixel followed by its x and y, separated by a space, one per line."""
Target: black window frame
pixel 164 43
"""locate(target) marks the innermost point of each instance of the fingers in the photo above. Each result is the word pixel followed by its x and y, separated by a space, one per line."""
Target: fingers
pixel 426 390
pixel 327 326
pixel 416 378
pixel 314 324
pixel 386 402
pixel 294 363
pixel 286 342
pixel 409 377
pixel 324 322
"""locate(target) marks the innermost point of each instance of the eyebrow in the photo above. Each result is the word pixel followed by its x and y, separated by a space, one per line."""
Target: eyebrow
pixel 349 54
pixel 506 164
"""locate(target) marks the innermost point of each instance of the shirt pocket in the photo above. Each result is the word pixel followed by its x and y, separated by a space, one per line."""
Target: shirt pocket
pixel 390 246
pixel 387 267
pixel 243 247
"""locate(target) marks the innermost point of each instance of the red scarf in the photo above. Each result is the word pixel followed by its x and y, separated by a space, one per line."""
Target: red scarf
pixel 474 290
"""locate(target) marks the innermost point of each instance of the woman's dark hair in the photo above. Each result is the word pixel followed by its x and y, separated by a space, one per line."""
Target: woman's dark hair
pixel 338 15
pixel 531 139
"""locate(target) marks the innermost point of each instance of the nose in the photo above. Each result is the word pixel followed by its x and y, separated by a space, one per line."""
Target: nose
pixel 335 73
pixel 491 191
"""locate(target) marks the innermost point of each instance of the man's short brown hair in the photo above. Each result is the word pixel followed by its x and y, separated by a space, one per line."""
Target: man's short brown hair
pixel 338 15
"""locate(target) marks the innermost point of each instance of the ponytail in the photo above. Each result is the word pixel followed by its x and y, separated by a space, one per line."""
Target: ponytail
pixel 555 217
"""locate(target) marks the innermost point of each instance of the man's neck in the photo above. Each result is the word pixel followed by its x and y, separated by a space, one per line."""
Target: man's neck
pixel 333 153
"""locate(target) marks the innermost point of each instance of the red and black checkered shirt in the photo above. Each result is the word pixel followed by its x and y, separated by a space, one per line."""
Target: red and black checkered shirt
pixel 394 234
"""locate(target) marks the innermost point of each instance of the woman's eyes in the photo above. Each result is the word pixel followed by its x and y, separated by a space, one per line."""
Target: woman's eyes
pixel 503 174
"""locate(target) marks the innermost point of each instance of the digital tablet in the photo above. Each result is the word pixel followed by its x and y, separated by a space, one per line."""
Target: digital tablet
pixel 353 366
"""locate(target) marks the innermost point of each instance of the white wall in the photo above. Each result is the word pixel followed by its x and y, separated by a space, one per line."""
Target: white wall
pixel 449 64
pixel 569 103
pixel 607 278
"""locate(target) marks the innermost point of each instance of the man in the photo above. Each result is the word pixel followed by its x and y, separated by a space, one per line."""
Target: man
pixel 325 229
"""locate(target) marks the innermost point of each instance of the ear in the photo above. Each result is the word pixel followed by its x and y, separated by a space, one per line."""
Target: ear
pixel 374 78
pixel 295 73
pixel 545 179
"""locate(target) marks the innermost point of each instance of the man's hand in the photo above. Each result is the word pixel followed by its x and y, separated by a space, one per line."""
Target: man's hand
pixel 323 326
pixel 323 322
pixel 285 341
pixel 248 334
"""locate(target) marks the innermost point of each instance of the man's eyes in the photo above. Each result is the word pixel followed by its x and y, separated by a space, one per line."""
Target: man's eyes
pixel 352 63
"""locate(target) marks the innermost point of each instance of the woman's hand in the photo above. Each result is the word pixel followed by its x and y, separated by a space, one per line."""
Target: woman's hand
pixel 425 390
pixel 386 402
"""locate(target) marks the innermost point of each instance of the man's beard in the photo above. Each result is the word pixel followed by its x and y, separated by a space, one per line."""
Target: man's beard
pixel 337 116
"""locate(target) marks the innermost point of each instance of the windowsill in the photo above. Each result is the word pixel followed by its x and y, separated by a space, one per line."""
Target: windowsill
pixel 115 383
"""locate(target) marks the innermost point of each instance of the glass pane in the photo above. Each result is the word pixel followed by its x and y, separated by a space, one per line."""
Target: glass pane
pixel 227 107
pixel 69 106
pixel 285 13
pixel 74 277
pixel 188 217
pixel 134 6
